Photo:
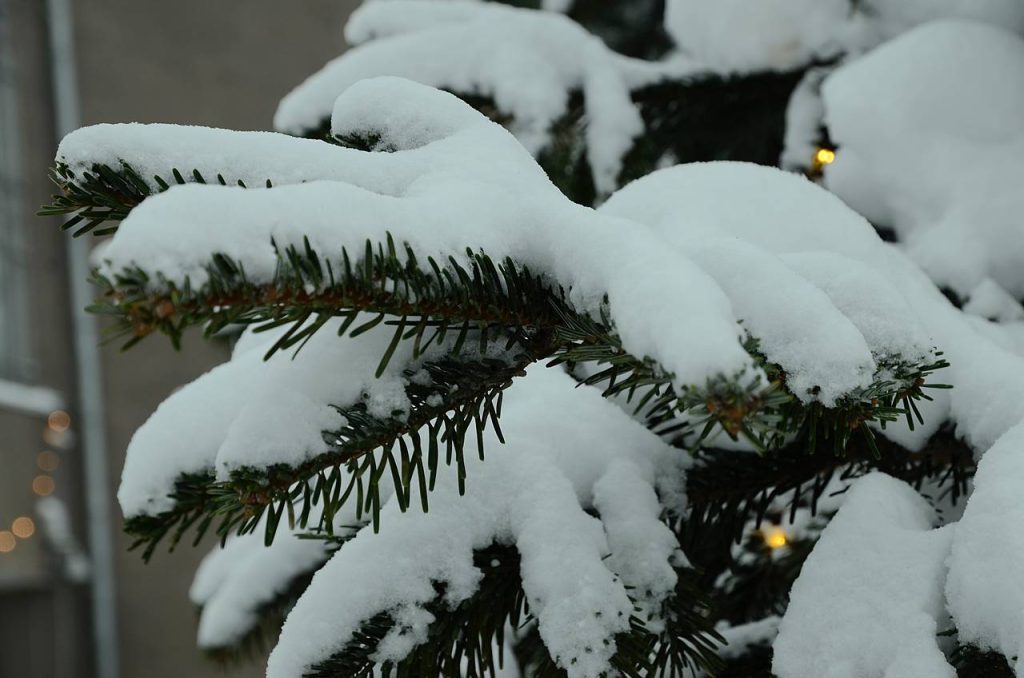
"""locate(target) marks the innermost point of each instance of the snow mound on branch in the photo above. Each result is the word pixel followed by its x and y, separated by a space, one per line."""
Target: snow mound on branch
pixel 252 412
pixel 940 162
pixel 740 222
pixel 984 588
pixel 869 599
pixel 744 36
pixel 235 581
pixel 527 61
pixel 254 158
pixel 740 35
pixel 532 493
pixel 465 182
pixel 880 20
pixel 476 188
pixel 989 300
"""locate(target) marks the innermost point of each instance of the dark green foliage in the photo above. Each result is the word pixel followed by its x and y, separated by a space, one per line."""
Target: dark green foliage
pixel 449 307
pixel 105 194
pixel 973 662
pixel 727 490
pixel 410 449
pixel 476 324
pixel 712 117
pixel 631 27
pixel 756 662
pixel 466 635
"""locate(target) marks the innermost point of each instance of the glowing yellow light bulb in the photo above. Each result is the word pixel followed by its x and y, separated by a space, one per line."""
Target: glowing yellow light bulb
pixel 775 537
pixel 824 156
pixel 23 527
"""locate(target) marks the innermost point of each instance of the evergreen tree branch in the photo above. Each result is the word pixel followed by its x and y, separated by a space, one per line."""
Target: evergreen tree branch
pixel 462 639
pixel 727 490
pixel 105 194
pixel 462 395
pixel 472 303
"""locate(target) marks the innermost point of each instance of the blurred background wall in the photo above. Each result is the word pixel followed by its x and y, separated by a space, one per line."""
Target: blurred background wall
pixel 222 64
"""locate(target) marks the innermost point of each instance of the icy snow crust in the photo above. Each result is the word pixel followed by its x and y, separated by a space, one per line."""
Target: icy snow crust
pixel 682 255
pixel 941 161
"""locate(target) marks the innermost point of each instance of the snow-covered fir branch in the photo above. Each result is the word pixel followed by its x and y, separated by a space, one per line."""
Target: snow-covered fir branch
pixel 500 409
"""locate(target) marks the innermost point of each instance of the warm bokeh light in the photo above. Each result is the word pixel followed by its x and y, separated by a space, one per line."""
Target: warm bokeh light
pixel 7 541
pixel 825 156
pixel 23 527
pixel 48 461
pixel 43 486
pixel 775 537
pixel 58 421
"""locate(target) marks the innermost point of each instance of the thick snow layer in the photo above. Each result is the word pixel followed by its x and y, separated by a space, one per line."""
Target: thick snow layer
pixel 788 215
pixel 940 161
pixel 880 20
pixel 739 35
pixel 250 157
pixel 682 256
pixel 527 61
pixel 641 544
pixel 989 300
pixel 531 493
pixel 869 599
pixel 254 413
pixel 467 182
pixel 475 188
pixel 820 322
pixel 234 581
pixel 984 589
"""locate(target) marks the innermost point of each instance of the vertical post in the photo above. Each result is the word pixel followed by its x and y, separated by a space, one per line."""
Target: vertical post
pixel 91 416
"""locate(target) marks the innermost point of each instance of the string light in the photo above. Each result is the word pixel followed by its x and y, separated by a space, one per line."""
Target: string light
pixel 57 434
pixel 775 537
pixel 23 527
pixel 48 461
pixel 59 421
pixel 7 541
pixel 824 156
pixel 43 485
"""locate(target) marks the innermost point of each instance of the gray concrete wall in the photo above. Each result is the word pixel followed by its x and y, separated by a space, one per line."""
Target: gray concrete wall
pixel 208 62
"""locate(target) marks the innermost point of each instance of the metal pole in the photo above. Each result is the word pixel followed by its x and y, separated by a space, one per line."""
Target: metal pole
pixel 92 419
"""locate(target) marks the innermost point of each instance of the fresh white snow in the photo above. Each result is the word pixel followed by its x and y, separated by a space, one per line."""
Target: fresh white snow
pixel 939 162
pixel 530 493
pixel 930 139
pixel 869 600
